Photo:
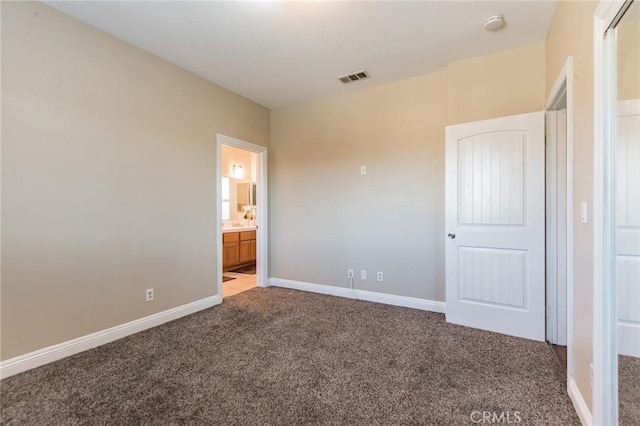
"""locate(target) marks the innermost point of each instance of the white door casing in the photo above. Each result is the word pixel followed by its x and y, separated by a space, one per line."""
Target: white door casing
pixel 495 212
pixel 262 234
pixel 556 226
pixel 628 227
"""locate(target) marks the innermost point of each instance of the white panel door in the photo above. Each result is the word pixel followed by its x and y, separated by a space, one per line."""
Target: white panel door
pixel 628 227
pixel 495 212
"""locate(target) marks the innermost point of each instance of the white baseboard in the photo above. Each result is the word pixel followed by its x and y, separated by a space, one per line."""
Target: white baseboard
pixel 578 403
pixel 369 296
pixel 628 339
pixel 71 347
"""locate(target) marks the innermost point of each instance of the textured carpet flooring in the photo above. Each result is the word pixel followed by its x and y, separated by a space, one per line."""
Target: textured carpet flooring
pixel 629 390
pixel 282 357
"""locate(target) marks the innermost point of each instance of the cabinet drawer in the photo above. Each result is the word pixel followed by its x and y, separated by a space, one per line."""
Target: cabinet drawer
pixel 230 237
pixel 247 235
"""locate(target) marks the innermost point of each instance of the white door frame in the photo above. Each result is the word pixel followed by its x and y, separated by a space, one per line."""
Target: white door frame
pixel 605 359
pixel 262 266
pixel 556 223
pixel 564 86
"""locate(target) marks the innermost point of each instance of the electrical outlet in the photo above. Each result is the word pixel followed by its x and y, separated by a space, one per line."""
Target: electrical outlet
pixel 380 276
pixel 363 275
pixel 349 273
pixel 149 295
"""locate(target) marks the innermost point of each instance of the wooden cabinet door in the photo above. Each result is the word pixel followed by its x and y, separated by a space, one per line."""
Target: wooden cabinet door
pixel 253 249
pixel 230 254
pixel 245 251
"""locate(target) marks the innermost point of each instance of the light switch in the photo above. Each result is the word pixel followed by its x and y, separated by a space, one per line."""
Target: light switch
pixel 583 212
pixel 363 170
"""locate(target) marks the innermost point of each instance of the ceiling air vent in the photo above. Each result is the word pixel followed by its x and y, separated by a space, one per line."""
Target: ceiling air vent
pixel 350 78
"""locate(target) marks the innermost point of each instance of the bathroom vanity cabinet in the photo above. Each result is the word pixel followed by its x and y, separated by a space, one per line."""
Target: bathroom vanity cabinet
pixel 238 249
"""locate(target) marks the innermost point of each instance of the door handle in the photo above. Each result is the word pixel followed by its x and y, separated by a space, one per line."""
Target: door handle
pixel 451 235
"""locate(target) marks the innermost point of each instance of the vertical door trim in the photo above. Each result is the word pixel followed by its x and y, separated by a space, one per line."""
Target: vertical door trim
pixel 605 360
pixel 262 233
pixel 565 81
pixel 552 311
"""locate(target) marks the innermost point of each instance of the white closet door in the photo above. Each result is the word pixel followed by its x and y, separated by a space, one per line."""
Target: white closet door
pixel 628 227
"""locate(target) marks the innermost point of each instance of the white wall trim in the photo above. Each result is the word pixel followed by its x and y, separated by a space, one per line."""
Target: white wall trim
pixel 560 85
pixel 579 404
pixel 605 360
pixel 564 82
pixel 71 347
pixel 606 12
pixel 369 296
pixel 570 224
pixel 262 233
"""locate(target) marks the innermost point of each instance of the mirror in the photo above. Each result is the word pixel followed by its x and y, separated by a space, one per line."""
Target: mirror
pixel 245 195
pixel 236 194
pixel 627 217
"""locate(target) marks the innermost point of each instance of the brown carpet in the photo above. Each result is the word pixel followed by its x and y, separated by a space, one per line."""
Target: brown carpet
pixel 283 357
pixel 628 390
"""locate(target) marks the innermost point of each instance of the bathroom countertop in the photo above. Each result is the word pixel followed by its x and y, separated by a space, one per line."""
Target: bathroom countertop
pixel 238 229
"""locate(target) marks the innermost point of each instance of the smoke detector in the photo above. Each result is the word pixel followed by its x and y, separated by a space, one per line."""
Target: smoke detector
pixel 494 23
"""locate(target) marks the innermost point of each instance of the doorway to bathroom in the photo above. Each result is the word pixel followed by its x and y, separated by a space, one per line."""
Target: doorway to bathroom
pixel 241 201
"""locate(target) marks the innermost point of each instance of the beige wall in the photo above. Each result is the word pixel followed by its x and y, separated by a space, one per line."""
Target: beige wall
pixel 497 85
pixel 326 217
pixel 108 179
pixel 571 33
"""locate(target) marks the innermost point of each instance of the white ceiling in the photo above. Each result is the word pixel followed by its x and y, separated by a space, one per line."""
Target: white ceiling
pixel 280 53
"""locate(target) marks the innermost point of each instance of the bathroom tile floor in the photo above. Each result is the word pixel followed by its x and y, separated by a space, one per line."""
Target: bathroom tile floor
pixel 242 282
